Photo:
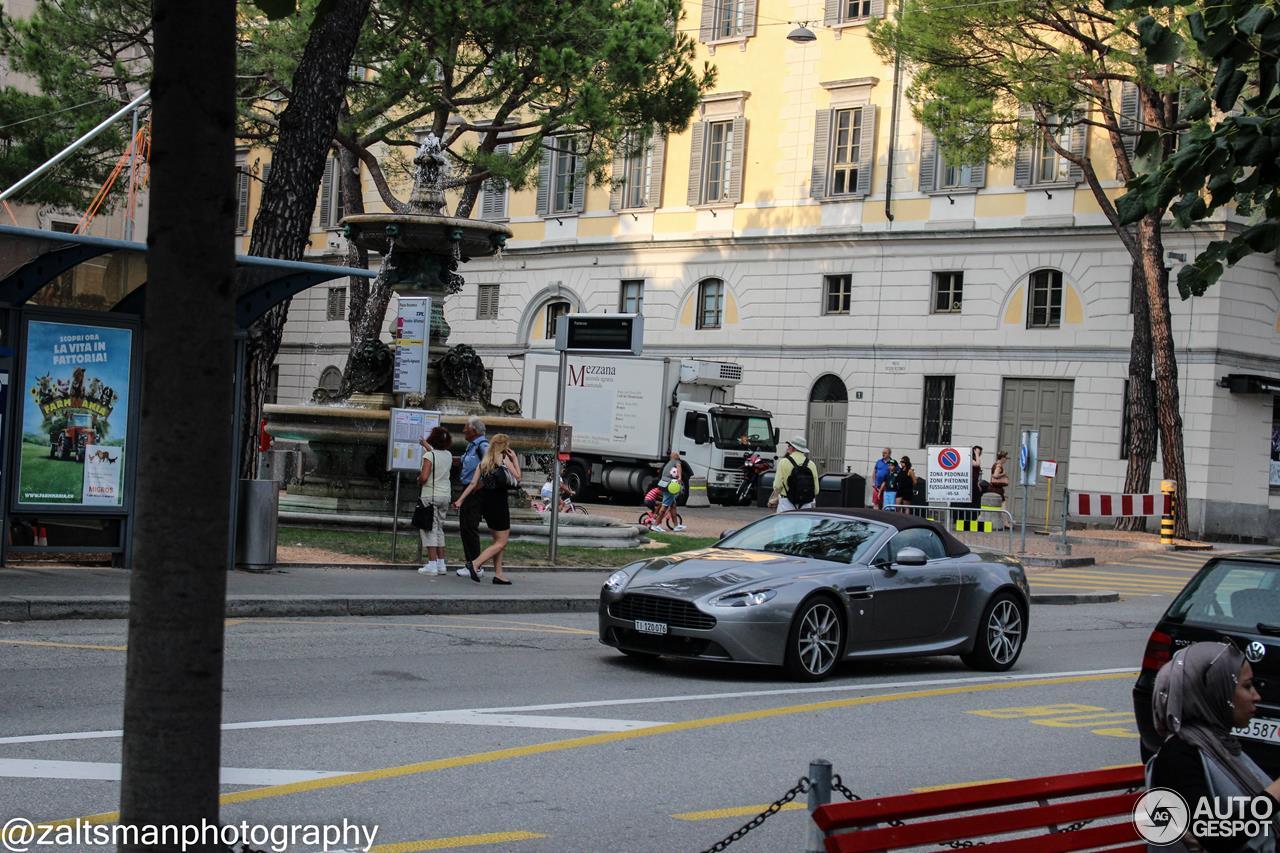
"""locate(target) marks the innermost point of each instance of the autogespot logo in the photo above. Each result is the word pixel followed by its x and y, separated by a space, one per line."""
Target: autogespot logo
pixel 1161 816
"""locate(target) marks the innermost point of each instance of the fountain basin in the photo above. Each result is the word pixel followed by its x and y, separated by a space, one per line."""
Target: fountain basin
pixel 426 234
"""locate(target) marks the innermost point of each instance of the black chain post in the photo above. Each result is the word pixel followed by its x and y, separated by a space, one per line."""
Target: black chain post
pixel 801 787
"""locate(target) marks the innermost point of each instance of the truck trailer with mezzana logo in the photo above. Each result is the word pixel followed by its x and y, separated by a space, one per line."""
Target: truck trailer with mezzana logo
pixel 629 413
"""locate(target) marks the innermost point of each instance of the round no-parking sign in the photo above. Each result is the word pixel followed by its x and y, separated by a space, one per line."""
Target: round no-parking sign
pixel 949 477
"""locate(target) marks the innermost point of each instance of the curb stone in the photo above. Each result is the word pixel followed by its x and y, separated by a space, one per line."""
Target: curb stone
pixel 1044 561
pixel 1101 597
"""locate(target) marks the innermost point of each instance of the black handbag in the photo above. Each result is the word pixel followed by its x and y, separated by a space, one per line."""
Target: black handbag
pixel 424 516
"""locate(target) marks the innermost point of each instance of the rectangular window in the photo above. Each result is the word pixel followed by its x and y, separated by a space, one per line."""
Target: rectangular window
pixel 729 18
pixel 273 385
pixel 555 311
pixel 952 177
pixel 838 293
pixel 846 151
pixel 336 308
pixel 487 302
pixel 710 303
pixel 939 393
pixel 637 171
pixel 1044 310
pixel 1048 167
pixel 855 10
pixel 564 174
pixel 62 227
pixel 631 296
pixel 719 161
pixel 948 292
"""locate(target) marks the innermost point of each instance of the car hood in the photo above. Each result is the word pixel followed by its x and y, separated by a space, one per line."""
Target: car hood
pixel 711 571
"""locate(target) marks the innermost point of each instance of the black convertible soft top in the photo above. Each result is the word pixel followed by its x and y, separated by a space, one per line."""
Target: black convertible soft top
pixel 904 521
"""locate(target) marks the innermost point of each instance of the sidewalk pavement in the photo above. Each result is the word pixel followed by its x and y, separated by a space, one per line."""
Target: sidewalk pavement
pixel 29 594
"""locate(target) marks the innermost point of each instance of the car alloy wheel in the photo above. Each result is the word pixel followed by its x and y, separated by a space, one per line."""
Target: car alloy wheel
pixel 815 641
pixel 1004 632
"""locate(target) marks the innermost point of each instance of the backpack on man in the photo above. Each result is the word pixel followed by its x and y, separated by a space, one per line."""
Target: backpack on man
pixel 801 487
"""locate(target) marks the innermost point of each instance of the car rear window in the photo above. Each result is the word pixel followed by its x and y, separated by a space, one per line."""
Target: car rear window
pixel 1232 595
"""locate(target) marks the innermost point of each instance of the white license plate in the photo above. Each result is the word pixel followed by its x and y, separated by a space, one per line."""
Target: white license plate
pixel 1260 728
pixel 651 627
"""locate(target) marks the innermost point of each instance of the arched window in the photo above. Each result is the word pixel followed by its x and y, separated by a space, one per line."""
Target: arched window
pixel 331 380
pixel 828 389
pixel 710 303
pixel 1044 305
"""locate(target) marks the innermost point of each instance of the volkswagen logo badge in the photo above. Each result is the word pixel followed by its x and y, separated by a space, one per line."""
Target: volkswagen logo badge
pixel 1255 652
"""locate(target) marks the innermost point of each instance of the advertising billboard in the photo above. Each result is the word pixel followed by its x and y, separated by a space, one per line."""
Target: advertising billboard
pixel 75 418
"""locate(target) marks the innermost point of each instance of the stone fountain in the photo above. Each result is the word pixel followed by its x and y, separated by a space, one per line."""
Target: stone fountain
pixel 345 474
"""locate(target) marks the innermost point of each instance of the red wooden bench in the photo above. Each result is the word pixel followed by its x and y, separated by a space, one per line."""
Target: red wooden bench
pixel 1096 795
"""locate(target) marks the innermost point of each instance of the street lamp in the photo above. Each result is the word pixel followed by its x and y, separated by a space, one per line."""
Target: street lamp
pixel 801 35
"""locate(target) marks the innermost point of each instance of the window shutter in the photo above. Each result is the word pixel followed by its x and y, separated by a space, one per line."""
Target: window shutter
pixel 544 179
pixel 867 142
pixel 1022 161
pixel 1079 144
pixel 579 181
pixel 977 175
pixel 1129 116
pixel 242 197
pixel 696 153
pixel 748 18
pixel 658 156
pixel 617 174
pixel 266 176
pixel 707 31
pixel 831 14
pixel 877 8
pixel 821 153
pixel 928 160
pixel 739 159
pixel 326 195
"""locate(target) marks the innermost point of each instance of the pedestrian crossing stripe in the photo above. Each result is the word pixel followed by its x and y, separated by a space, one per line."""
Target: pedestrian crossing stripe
pixel 973 526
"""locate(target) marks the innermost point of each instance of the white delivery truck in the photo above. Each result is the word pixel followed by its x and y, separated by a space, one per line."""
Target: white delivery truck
pixel 629 413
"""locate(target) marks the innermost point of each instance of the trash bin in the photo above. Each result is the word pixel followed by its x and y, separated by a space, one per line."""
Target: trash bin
pixel 256 525
pixel 842 490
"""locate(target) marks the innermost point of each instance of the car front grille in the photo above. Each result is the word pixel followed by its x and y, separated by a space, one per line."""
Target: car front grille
pixel 655 608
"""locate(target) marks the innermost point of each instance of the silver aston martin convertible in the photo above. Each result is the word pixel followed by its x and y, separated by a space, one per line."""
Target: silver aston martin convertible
pixel 808 589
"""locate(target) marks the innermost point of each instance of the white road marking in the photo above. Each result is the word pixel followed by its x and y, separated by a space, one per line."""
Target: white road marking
pixel 28 768
pixel 527 721
pixel 478 713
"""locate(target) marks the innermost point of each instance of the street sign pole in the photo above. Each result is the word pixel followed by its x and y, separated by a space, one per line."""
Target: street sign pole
pixel 553 547
pixel 1028 452
pixel 395 519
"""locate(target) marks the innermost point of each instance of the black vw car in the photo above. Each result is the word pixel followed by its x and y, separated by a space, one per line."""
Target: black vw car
pixel 1236 598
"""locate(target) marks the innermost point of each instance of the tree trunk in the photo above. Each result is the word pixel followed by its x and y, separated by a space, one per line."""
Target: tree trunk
pixel 1166 366
pixel 1141 410
pixel 283 224
pixel 173 677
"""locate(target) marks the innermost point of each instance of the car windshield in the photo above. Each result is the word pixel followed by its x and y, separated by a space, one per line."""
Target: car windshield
pixel 1231 594
pixel 836 540
pixel 743 430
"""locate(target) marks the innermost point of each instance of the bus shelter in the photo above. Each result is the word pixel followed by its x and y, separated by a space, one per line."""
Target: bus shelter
pixel 71 310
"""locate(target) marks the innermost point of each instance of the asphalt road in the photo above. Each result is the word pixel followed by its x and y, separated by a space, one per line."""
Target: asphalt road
pixel 524 734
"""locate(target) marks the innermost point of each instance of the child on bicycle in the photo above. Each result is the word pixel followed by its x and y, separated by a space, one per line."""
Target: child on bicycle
pixel 565 492
pixel 651 499
pixel 673 475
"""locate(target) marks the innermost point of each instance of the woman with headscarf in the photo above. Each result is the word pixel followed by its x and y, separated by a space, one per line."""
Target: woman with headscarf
pixel 1200 695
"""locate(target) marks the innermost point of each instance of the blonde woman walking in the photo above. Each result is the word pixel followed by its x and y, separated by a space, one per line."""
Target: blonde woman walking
pixel 433 479
pixel 498 474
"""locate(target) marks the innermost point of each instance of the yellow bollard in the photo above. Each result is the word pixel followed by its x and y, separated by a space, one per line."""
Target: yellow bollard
pixel 1167 487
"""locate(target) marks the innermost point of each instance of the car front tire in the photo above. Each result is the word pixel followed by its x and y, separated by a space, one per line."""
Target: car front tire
pixel 815 642
pixel 1002 632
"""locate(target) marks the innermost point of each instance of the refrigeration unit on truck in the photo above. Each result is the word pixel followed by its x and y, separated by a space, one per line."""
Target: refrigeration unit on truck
pixel 629 413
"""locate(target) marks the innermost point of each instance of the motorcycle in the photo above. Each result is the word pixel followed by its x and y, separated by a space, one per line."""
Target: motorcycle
pixel 753 468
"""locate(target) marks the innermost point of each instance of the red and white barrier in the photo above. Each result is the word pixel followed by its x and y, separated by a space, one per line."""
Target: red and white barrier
pixel 1101 505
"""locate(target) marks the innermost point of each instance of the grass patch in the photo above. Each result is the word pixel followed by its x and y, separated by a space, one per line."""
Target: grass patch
pixel 376 547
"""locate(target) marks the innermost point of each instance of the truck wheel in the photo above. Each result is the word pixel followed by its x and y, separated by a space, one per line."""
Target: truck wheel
pixel 575 476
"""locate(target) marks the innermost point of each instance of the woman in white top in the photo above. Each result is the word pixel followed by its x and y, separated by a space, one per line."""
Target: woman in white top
pixel 437 463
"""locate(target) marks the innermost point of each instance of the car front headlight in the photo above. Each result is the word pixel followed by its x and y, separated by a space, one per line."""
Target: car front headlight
pixel 749 598
pixel 617 580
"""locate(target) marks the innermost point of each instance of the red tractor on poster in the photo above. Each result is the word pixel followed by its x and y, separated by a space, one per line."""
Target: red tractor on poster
pixel 76 434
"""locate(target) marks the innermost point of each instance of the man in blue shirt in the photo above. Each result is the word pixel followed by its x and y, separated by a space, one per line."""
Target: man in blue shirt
pixel 469 515
pixel 881 477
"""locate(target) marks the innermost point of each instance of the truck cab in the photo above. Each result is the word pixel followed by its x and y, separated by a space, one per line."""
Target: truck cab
pixel 715 439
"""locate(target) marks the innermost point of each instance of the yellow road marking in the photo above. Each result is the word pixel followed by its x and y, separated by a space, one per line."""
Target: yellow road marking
pixel 954 785
pixel 1088 588
pixel 1035 711
pixel 1134 576
pixel 1086 720
pixel 550 629
pixel 737 811
pixel 532 624
pixel 1069 583
pixel 493 756
pixel 1117 731
pixel 49 644
pixel 456 841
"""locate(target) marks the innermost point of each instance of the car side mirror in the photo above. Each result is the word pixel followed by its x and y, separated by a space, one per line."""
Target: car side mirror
pixel 701 432
pixel 777 436
pixel 912 557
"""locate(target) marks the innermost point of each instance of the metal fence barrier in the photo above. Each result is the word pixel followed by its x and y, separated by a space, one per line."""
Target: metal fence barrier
pixel 964 519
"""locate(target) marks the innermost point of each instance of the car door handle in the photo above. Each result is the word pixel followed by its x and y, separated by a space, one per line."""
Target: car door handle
pixel 858 592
